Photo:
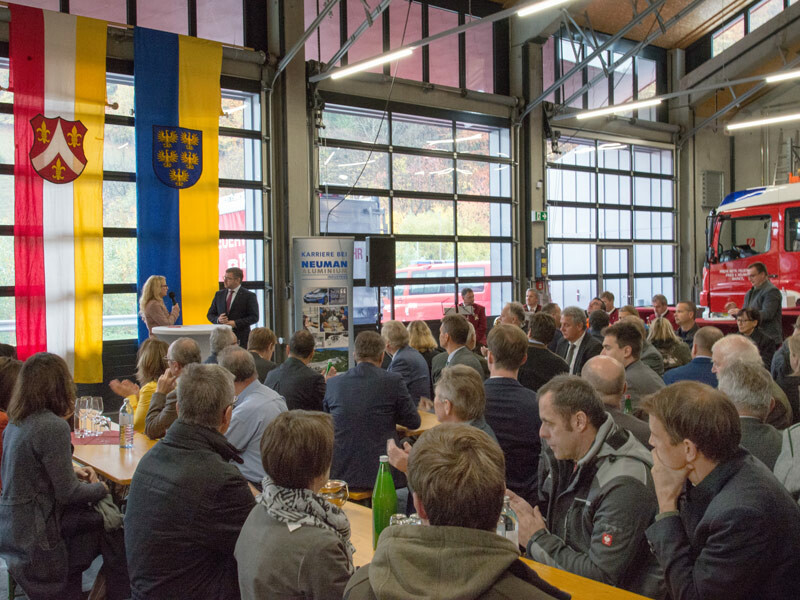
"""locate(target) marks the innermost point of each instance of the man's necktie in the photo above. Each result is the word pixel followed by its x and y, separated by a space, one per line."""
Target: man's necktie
pixel 570 354
pixel 228 301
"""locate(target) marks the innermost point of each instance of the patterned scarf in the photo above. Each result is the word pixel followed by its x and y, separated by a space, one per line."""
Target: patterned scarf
pixel 297 507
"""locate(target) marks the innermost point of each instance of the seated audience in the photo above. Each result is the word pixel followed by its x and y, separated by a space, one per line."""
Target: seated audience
pixel 460 398
pixel 598 320
pixel 294 543
pixel 150 365
pixel 50 531
pixel 187 502
pixel 661 310
pixel 457 474
pixel 220 338
pixel 367 403
pixel 554 310
pixel 301 386
pixel 733 348
pixel 650 355
pixel 162 413
pixel 791 381
pixel 512 410
pixel 747 321
pixel 685 321
pixel 421 339
pixel 405 361
pixel 542 364
pixel 780 360
pixel 628 311
pixel 623 341
pixel 453 335
pixel 699 369
pixel 595 304
pixel 673 351
pixel 9 370
pixel 596 495
pixel 608 303
pixel 726 528
pixel 471 345
pixel 607 376
pixel 513 313
pixel 747 386
pixel 577 345
pixel 255 407
pixel 261 344
pixel 787 465
pixel 532 301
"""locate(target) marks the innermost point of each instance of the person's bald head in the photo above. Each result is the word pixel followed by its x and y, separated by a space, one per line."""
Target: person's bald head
pixel 607 376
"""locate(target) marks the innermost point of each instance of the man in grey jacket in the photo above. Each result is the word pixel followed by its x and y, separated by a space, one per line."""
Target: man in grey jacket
pixel 162 412
pixel 767 299
pixel 596 493
pixel 623 342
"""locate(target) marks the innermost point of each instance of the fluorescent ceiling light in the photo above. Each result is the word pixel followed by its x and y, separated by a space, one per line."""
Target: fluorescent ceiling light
pixel 363 66
pixel 762 122
pixel 783 76
pixel 539 6
pixel 619 108
pixel 611 146
pixel 468 138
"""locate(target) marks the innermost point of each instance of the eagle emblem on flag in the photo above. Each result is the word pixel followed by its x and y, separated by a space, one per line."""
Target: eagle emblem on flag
pixel 57 153
pixel 177 155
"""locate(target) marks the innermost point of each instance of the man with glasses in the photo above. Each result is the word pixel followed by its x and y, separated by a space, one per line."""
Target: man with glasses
pixel 235 306
pixel 766 298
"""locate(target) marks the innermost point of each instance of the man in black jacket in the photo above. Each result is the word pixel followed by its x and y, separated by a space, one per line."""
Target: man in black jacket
pixel 542 364
pixel 725 528
pixel 187 502
pixel 235 306
pixel 299 384
pixel 577 346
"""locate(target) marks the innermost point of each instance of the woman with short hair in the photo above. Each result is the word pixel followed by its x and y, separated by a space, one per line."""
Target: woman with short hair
pixel 748 321
pixel 49 531
pixel 151 304
pixel 295 544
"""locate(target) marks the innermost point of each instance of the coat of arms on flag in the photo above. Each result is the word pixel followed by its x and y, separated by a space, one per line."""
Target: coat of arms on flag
pixel 177 155
pixel 57 151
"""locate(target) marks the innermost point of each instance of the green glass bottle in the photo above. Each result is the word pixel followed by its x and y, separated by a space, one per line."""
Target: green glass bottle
pixel 384 500
pixel 628 409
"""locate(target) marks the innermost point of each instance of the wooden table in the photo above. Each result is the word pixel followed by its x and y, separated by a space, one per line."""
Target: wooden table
pixel 112 462
pixel 427 421
pixel 581 588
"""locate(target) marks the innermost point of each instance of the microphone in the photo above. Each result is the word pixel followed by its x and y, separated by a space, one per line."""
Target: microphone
pixel 173 298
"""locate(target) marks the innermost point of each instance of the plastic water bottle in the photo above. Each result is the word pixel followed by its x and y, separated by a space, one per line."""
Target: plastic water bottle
pixel 126 425
pixel 384 500
pixel 508 524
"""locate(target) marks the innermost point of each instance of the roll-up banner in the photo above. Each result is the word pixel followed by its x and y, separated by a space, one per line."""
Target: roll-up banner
pixel 323 296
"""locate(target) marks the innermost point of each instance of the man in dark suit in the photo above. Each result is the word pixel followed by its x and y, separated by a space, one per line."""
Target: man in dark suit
pixel 301 386
pixel 541 365
pixel 607 376
pixel 453 334
pixel 367 403
pixel 532 301
pixel 235 306
pixel 406 361
pixel 512 411
pixel 577 345
pixel 747 385
pixel 766 298
pixel 700 367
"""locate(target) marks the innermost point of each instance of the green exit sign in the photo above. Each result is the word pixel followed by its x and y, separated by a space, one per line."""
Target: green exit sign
pixel 540 215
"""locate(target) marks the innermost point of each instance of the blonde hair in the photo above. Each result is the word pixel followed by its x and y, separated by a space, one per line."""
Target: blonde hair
pixel 152 360
pixel 661 331
pixel 151 290
pixel 420 336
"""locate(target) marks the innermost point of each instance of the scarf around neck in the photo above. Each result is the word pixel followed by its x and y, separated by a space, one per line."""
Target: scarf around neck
pixel 297 507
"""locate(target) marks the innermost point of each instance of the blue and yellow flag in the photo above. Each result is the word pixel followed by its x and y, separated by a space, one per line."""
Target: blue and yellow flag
pixel 177 166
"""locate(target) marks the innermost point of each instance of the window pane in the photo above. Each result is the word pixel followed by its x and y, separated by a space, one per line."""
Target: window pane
pixel 409 254
pixel 7 202
pixel 165 16
pixel 763 12
pixel 615 261
pixel 614 156
pixel 598 93
pixel 570 186
pixel 480 58
pixel 241 111
pixel 726 37
pixel 647 86
pixel 221 20
pixel 119 258
pixel 573 151
pixel 119 316
pixel 614 189
pixel 618 287
pixel 573 259
pixel 422 132
pixel 119 149
pixel 370 42
pixel 644 288
pixel 105 10
pixel 791 239
pixel 549 67
pixel 652 258
pixel 422 173
pixel 355 124
pixel 364 169
pixel 6 139
pixel 569 59
pixel 248 255
pixel 483 139
pixel 423 217
pixel 743 237
pixel 485 179
pixel 571 222
pixel 354 214
pixel 409 67
pixel 615 224
pixel 472 255
pixel 7 255
pixel 240 210
pixel 5 95
pixel 623 82
pixel 423 302
pixel 652 225
pixel 443 53
pixel 573 293
pixel 483 218
pixel 365 305
pixel 8 328
pixel 326 36
pixel 239 158
pixel 119 204
pixel 119 90
pixel 652 160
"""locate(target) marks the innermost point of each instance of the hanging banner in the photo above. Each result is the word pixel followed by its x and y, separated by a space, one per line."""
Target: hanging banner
pixel 323 296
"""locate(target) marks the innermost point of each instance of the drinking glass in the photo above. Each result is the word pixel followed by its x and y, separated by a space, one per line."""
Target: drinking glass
pixel 96 415
pixel 81 416
pixel 335 491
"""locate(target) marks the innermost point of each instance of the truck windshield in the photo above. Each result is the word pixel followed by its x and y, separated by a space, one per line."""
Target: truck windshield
pixel 743 237
pixel 792 237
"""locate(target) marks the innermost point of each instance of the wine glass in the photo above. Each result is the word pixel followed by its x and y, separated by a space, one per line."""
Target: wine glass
pixel 81 416
pixel 96 414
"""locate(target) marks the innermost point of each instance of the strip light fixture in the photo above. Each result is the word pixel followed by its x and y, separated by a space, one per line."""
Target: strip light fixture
pixel 368 64
pixel 763 122
pixel 619 108
pixel 783 76
pixel 539 7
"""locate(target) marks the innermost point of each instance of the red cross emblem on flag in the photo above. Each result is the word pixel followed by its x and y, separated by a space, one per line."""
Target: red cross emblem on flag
pixel 57 151
pixel 607 539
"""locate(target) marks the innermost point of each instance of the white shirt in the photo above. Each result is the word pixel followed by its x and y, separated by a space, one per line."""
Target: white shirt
pixel 233 296
pixel 575 352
